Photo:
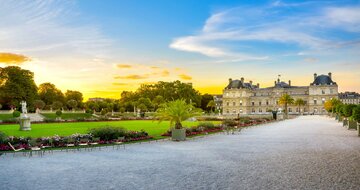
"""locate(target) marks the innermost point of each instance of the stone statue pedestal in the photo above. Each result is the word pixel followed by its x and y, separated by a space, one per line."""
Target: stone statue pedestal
pixel 25 124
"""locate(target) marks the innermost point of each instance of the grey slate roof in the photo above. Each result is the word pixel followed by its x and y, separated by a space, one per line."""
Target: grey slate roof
pixel 323 80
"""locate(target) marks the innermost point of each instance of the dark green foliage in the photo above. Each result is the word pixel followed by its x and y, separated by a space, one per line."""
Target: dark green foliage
pixel 16 114
pixel 356 113
pixel 339 109
pixel 58 113
pixel 16 85
pixel 50 94
pixel 169 91
pixel 229 123
pixel 205 99
pixel 207 125
pixel 89 111
pixel 104 112
pixel 347 109
pixel 108 132
pixel 3 137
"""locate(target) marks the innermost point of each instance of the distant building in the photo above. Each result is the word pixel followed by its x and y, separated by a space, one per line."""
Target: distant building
pixel 240 97
pixel 218 101
pixel 349 97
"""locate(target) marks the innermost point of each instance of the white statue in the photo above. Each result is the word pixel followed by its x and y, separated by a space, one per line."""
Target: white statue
pixel 23 107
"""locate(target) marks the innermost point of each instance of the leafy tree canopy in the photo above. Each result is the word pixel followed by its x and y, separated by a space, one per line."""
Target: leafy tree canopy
pixel 16 85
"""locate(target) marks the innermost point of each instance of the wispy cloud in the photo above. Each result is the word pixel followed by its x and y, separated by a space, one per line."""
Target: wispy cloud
pixel 185 77
pixel 48 28
pixel 132 77
pixel 123 66
pixel 12 58
pixel 237 34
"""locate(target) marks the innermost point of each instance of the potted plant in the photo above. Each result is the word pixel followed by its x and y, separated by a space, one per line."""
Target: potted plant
pixel 347 112
pixel 176 112
pixel 356 117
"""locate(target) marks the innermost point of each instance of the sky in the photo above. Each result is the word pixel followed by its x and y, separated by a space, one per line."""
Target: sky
pixel 104 47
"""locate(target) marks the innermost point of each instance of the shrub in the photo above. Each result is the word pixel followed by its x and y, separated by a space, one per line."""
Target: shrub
pixel 90 111
pixel 229 122
pixel 16 114
pixel 356 113
pixel 104 112
pixel 58 113
pixel 339 109
pixel 3 137
pixel 108 132
pixel 206 125
pixel 347 109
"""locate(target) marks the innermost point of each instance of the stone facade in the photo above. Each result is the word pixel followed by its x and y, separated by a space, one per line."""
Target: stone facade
pixel 349 98
pixel 245 98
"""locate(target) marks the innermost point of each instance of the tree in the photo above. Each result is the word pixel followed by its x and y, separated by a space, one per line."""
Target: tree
pixel 157 101
pixel 144 104
pixel 205 99
pixel 39 104
pixel 339 109
pixel 211 104
pixel 72 104
pixel 356 113
pixel 176 112
pixel 299 102
pixel 348 109
pixel 330 105
pixel 74 95
pixel 16 85
pixel 57 105
pixel 168 90
pixel 49 93
pixel 286 100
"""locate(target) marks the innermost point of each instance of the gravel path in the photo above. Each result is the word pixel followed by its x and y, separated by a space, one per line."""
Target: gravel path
pixel 310 152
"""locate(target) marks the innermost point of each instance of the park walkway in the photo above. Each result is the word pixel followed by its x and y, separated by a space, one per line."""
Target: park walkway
pixel 309 152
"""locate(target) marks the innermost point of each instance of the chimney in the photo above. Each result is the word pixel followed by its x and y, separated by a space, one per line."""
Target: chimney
pixel 289 82
pixel 330 75
pixel 258 85
pixel 242 80
pixel 250 82
pixel 315 75
pixel 230 80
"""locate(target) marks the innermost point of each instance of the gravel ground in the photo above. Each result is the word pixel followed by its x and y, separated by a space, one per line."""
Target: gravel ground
pixel 310 152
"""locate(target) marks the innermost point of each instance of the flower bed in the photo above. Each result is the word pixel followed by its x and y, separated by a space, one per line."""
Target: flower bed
pixel 101 137
pixel 204 128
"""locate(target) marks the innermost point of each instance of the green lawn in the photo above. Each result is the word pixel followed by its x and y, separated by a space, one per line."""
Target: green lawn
pixel 67 115
pixel 6 116
pixel 154 128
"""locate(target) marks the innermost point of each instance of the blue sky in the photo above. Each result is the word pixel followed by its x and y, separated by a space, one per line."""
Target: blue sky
pixel 104 47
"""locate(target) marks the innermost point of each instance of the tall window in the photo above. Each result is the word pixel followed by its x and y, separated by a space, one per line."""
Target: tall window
pixel 240 102
pixel 315 101
pixel 260 103
pixel 253 103
pixel 253 110
pixel 322 91
pixel 227 103
pixel 267 102
pixel 234 104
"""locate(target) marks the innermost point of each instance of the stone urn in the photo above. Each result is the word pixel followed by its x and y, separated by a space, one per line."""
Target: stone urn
pixel 178 134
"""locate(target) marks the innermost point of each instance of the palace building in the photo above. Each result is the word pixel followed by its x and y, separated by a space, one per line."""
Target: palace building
pixel 244 98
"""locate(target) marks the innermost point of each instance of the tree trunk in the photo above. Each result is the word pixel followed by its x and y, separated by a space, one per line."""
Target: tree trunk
pixel 286 111
pixel 178 125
